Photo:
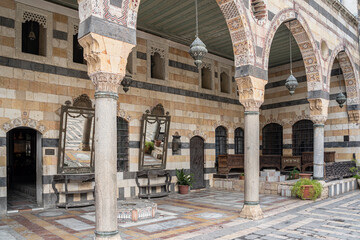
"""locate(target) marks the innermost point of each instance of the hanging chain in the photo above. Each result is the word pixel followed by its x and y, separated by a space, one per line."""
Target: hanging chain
pixel 339 78
pixel 290 49
pixel 196 14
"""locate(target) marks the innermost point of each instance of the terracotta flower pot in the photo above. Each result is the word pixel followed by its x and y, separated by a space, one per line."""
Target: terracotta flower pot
pixel 183 189
pixel 305 175
pixel 308 191
pixel 157 143
pixel 242 177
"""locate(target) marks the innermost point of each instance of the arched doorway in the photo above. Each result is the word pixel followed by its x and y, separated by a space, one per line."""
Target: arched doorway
pixel 197 161
pixel 302 137
pixel 24 168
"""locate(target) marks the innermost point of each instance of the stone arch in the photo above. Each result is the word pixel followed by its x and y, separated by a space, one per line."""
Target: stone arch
pixel 350 78
pixel 198 133
pixel 305 40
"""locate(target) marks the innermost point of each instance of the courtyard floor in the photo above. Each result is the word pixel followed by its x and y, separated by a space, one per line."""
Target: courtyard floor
pixel 206 214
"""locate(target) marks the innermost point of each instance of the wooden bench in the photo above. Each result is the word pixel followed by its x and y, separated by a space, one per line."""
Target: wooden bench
pixel 230 161
pixel 291 161
pixel 270 161
pixel 307 159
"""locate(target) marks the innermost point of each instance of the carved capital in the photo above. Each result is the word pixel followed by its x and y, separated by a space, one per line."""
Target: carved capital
pixel 251 92
pixel 106 82
pixel 105 54
pixel 318 110
pixel 354 116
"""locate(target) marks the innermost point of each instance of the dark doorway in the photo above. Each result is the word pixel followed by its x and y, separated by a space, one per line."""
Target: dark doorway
pixel 197 161
pixel 22 168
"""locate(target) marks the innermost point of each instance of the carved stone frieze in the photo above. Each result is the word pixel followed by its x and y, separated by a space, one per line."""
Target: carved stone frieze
pixel 251 92
pixel 197 133
pixel 24 121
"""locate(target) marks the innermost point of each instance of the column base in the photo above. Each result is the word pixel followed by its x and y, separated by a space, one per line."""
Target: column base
pixel 252 212
pixel 110 237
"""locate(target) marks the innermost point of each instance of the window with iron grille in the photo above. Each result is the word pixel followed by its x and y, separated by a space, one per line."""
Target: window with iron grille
pixel 220 141
pixel 239 141
pixel 272 139
pixel 122 145
pixel 302 137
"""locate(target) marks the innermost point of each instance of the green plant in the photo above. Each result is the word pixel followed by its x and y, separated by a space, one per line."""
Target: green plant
pixel 242 174
pixel 183 178
pixel 293 173
pixel 355 171
pixel 149 146
pixel 315 192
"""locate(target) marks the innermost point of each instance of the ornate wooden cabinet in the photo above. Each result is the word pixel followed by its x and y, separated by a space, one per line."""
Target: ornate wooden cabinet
pixel 290 161
pixel 307 159
pixel 230 161
pixel 270 161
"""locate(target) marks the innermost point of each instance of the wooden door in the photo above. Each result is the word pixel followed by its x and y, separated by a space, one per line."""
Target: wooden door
pixel 197 161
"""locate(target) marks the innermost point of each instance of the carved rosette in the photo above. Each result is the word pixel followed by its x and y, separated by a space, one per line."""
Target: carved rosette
pixel 106 82
pixel 318 110
pixel 251 92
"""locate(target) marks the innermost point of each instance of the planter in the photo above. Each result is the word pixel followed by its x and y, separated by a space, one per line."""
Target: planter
pixel 157 143
pixel 307 191
pixel 305 175
pixel 183 189
pixel 242 177
pixel 294 176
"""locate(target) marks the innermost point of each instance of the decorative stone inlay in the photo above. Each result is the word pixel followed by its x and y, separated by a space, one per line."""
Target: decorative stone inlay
pixel 23 122
pixel 354 116
pixel 258 11
pixel 197 133
pixel 134 210
pixel 123 114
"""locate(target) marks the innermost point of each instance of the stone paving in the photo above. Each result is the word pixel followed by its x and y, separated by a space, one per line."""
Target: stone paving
pixel 203 215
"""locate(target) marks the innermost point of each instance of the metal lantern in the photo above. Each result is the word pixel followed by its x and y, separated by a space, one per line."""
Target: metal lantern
pixel 291 84
pixel 341 99
pixel 198 51
pixel 197 48
pixel 126 82
pixel 32 35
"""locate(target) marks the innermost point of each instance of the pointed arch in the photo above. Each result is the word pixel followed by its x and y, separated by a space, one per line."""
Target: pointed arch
pixel 348 70
pixel 305 40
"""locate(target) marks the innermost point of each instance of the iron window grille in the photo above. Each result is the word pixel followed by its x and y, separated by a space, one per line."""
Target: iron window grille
pixel 122 145
pixel 272 139
pixel 239 141
pixel 302 137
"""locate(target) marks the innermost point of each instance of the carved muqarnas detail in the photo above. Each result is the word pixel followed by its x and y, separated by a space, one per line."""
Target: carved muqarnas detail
pixel 354 116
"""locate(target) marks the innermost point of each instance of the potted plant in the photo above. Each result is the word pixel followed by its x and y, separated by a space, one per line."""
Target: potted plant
pixel 305 175
pixel 294 174
pixel 242 176
pixel 184 181
pixel 149 146
pixel 307 189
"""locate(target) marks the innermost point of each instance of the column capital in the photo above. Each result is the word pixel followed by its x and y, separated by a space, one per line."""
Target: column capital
pixel 318 110
pixel 251 92
pixel 106 60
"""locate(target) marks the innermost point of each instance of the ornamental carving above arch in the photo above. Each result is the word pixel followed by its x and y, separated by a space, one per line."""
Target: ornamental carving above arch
pixel 197 133
pixel 24 121
pixel 124 114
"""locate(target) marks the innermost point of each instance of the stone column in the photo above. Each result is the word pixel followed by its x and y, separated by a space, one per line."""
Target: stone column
pixel 318 114
pixel 251 96
pixel 106 59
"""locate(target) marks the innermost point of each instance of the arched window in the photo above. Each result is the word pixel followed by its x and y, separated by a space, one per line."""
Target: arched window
pixel 157 66
pixel 224 83
pixel 272 139
pixel 33 38
pixel 220 141
pixel 206 78
pixel 239 141
pixel 122 145
pixel 302 137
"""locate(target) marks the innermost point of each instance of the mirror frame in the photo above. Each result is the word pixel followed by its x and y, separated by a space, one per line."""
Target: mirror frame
pixel 82 105
pixel 156 114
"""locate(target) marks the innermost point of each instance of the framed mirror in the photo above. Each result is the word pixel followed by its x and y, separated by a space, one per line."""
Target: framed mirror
pixel 76 145
pixel 155 126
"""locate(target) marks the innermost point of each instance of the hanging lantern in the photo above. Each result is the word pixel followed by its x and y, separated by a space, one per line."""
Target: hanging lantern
pixel 197 48
pixel 341 99
pixel 198 51
pixel 291 82
pixel 126 82
pixel 32 35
